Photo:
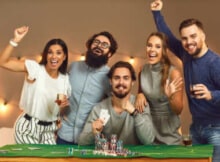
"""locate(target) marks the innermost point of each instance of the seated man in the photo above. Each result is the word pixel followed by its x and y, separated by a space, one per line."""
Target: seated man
pixel 120 117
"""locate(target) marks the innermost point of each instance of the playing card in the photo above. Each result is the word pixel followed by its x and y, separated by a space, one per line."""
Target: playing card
pixel 106 119
pixel 104 115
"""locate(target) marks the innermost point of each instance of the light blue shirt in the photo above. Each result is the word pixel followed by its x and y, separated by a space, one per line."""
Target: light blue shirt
pixel 89 86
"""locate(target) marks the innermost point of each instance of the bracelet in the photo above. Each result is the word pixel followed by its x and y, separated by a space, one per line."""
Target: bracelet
pixel 134 113
pixel 13 43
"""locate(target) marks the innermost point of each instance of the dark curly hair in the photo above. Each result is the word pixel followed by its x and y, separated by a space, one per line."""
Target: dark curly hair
pixel 114 46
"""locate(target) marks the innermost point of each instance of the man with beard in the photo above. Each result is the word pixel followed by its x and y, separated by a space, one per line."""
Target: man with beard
pixel 120 117
pixel 202 78
pixel 90 85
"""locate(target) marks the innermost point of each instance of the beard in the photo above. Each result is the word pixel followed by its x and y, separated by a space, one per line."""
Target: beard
pixel 120 94
pixel 197 52
pixel 94 60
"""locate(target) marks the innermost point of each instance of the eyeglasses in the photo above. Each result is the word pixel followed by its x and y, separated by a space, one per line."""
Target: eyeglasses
pixel 97 42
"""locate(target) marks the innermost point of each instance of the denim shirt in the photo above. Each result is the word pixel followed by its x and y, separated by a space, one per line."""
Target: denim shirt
pixel 89 86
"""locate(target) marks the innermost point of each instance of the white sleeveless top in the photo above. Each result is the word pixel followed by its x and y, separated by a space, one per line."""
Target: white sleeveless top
pixel 38 98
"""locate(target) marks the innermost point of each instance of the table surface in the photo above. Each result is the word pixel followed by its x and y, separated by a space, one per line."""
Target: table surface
pixel 151 153
pixel 144 159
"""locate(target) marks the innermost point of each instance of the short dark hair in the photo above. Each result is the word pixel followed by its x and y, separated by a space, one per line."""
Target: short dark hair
pixel 63 67
pixel 189 22
pixel 122 64
pixel 114 46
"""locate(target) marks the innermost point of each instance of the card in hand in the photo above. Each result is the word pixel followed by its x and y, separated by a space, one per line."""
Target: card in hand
pixel 104 115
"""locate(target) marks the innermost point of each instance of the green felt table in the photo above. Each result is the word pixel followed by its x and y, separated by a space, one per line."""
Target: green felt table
pixel 152 151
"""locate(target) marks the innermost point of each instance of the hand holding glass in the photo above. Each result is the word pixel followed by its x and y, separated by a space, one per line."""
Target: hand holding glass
pixel 192 91
pixel 60 98
pixel 187 139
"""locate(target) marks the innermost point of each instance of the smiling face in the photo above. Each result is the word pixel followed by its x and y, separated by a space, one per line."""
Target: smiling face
pixel 98 53
pixel 154 50
pixel 100 45
pixel 193 40
pixel 121 82
pixel 55 57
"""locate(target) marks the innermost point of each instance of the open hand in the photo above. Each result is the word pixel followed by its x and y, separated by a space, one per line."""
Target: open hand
pixel 174 86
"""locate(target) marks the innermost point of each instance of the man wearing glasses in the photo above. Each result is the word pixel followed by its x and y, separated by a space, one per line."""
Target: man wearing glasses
pixel 90 85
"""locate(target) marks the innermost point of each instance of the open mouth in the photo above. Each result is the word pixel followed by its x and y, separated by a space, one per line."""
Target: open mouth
pixel 97 51
pixel 120 87
pixel 190 47
pixel 54 62
pixel 152 55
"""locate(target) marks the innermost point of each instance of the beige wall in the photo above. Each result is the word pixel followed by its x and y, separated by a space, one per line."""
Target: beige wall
pixel 130 21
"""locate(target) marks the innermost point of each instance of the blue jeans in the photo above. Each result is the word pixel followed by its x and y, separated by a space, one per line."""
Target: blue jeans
pixel 203 133
pixel 60 141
